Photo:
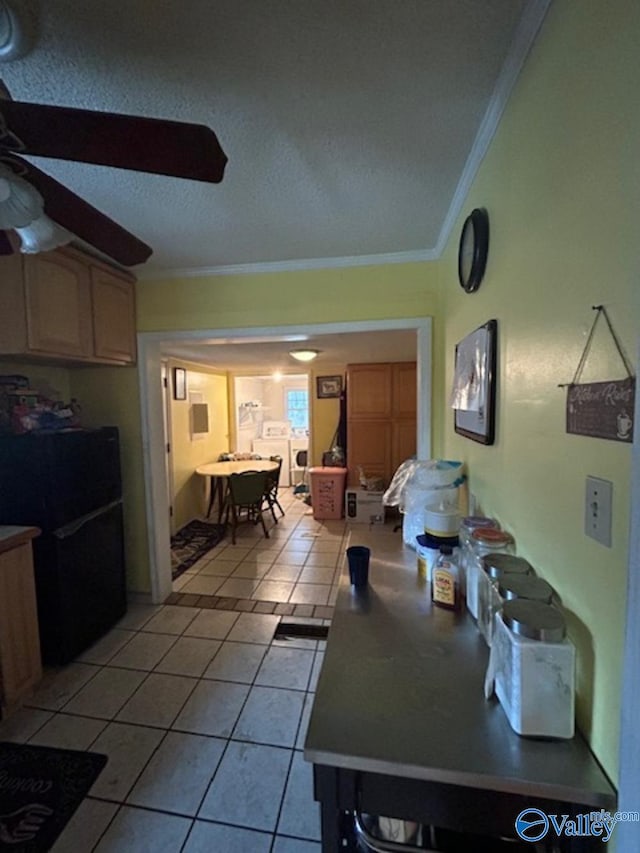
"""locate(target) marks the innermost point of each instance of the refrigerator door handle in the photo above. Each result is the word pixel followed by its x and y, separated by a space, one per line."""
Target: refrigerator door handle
pixel 72 528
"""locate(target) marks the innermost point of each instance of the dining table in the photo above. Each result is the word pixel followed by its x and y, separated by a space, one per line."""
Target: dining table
pixel 219 472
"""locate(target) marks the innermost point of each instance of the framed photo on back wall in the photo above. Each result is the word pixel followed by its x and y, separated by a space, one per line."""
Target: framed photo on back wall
pixel 328 386
pixel 179 383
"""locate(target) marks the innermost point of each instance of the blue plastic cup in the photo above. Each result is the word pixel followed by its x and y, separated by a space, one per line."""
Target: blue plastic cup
pixel 358 559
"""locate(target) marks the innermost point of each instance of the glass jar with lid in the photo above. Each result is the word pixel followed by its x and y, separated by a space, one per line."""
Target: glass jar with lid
pixel 484 541
pixel 467 526
pixel 532 666
pixel 511 586
pixel 494 566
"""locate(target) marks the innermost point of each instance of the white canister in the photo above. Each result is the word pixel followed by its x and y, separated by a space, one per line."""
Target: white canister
pixel 533 667
pixel 443 522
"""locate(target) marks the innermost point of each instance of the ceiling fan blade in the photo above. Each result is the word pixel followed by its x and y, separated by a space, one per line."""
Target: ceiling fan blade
pixel 159 146
pixel 85 221
pixel 6 247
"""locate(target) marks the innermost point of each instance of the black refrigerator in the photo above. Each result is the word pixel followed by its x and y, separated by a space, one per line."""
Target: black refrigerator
pixel 68 484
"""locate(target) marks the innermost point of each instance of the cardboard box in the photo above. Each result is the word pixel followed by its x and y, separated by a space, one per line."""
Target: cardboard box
pixel 364 507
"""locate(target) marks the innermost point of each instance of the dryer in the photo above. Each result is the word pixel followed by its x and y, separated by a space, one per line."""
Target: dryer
pixel 275 447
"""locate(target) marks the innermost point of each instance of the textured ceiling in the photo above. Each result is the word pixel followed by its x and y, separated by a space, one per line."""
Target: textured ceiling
pixel 347 123
pixel 266 356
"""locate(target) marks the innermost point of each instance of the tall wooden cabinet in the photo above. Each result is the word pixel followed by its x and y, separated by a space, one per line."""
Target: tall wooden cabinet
pixel 381 418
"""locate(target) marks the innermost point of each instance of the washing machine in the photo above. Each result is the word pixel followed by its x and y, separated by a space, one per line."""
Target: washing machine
pixel 267 447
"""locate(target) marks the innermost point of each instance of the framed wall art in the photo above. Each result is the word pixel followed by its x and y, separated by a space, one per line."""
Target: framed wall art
pixel 328 386
pixel 473 397
pixel 179 383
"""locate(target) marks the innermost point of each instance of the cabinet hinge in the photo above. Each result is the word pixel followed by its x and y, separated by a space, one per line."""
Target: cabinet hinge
pixel 168 447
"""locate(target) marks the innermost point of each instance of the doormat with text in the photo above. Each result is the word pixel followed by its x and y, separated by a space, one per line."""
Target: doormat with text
pixel 40 789
pixel 192 542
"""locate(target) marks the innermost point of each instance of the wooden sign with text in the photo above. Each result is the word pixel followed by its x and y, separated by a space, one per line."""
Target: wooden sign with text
pixel 602 409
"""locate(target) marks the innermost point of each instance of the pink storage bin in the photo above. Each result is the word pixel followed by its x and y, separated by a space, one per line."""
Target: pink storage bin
pixel 327 492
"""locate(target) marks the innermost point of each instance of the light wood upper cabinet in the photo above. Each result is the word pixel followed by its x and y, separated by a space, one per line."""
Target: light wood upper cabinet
pixel 113 303
pixel 67 306
pixel 58 305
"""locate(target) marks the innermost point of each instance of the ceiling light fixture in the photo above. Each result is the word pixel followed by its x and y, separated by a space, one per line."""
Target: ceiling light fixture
pixel 22 211
pixel 42 235
pixel 304 354
pixel 13 41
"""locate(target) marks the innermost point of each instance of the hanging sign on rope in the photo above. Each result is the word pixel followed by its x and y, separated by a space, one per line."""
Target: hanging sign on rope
pixel 601 409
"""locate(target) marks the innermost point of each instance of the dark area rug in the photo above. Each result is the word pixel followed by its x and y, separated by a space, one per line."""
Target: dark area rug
pixel 292 630
pixel 40 788
pixel 192 542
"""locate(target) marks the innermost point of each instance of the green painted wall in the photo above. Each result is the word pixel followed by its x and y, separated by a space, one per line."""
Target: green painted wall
pixel 48 379
pixel 275 299
pixel 561 183
pixel 217 302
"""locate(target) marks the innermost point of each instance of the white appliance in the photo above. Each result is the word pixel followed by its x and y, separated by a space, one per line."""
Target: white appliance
pixel 276 429
pixel 297 471
pixel 275 447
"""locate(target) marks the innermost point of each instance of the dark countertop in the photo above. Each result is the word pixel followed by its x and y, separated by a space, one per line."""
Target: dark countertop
pixel 401 693
pixel 12 536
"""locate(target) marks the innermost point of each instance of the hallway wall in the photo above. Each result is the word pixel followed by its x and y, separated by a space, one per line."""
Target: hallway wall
pixel 561 184
pixel 190 491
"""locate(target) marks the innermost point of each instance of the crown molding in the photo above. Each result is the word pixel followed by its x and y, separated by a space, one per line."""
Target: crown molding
pixel 293 265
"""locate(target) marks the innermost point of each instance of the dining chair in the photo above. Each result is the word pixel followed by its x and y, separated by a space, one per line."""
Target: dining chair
pixel 271 490
pixel 245 493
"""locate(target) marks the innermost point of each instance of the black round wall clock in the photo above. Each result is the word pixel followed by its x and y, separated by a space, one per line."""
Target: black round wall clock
pixel 473 249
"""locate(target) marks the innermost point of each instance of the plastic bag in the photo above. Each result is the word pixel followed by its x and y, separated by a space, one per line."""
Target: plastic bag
pixel 429 474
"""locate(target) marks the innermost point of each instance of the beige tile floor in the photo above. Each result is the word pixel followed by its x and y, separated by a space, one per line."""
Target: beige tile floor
pixel 297 567
pixel 201 713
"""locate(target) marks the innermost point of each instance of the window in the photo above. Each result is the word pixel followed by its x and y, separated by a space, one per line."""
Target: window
pixel 297 407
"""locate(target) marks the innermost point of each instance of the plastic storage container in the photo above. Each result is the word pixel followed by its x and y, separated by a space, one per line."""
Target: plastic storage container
pixel 442 521
pixel 483 542
pixel 533 668
pixel 327 492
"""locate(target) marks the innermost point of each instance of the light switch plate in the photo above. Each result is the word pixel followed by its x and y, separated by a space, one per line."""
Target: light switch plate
pixel 597 510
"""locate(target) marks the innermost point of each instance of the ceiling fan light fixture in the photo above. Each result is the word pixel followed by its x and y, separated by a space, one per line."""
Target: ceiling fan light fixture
pixel 304 354
pixel 13 42
pixel 20 203
pixel 42 235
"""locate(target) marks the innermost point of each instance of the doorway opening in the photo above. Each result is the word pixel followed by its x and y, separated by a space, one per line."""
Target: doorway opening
pixel 272 418
pixel 153 346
